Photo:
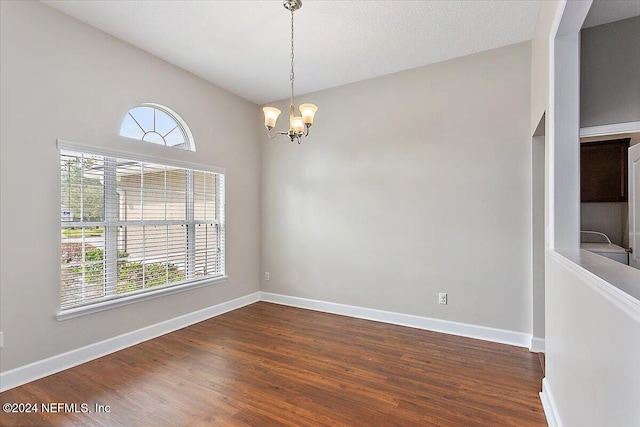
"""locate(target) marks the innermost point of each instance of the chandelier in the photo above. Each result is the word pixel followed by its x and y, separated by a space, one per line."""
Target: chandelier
pixel 298 125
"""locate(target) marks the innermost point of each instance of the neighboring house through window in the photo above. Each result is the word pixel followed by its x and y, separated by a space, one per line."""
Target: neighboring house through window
pixel 135 225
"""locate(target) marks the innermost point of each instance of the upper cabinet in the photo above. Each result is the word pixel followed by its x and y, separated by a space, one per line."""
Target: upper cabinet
pixel 603 171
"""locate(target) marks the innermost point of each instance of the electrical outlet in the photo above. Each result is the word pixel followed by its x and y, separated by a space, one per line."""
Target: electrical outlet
pixel 442 298
pixel 266 275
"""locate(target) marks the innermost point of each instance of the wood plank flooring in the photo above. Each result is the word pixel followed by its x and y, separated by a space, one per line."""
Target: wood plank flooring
pixel 271 365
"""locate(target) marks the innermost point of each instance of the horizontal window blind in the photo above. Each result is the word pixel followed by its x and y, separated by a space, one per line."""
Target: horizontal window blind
pixel 130 226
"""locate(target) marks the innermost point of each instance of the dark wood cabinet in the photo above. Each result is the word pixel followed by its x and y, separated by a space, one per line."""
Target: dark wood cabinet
pixel 603 171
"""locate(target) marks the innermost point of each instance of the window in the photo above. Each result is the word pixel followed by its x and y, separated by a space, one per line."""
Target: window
pixel 131 226
pixel 157 124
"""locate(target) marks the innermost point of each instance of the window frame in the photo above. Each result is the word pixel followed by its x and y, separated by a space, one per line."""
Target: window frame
pixel 141 295
pixel 189 143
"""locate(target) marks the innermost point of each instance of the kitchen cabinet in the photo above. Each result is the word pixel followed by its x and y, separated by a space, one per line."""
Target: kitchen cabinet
pixel 603 171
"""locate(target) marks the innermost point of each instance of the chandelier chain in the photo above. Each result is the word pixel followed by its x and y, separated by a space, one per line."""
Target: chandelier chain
pixel 292 75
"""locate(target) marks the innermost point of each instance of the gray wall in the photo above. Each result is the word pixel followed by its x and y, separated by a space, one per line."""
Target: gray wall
pixel 410 184
pixel 63 79
pixel 611 219
pixel 610 66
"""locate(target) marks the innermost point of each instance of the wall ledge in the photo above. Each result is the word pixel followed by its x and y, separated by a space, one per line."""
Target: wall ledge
pixel 618 283
pixel 612 129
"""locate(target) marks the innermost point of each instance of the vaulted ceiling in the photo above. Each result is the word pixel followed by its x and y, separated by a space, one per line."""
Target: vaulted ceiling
pixel 244 46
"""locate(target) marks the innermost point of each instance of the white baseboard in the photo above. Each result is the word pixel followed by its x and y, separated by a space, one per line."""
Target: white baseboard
pixel 503 336
pixel 549 405
pixel 51 365
pixel 537 345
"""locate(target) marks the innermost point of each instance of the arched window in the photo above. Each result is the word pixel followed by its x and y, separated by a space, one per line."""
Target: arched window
pixel 159 125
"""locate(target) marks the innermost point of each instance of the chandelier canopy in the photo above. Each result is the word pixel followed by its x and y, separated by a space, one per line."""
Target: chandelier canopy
pixel 298 125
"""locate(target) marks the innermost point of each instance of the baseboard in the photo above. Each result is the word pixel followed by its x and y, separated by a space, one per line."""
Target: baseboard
pixel 51 365
pixel 549 406
pixel 536 345
pixel 502 336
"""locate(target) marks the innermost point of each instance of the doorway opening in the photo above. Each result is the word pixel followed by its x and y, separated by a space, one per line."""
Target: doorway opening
pixel 610 199
pixel 538 167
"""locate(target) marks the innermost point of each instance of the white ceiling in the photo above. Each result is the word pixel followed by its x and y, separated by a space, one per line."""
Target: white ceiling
pixel 244 45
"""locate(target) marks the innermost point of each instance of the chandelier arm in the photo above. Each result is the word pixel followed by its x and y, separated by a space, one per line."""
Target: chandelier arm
pixel 280 132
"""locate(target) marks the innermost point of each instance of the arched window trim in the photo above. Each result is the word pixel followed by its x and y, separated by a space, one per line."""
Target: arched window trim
pixel 189 143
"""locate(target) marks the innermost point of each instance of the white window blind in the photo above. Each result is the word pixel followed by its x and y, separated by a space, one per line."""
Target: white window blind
pixel 130 226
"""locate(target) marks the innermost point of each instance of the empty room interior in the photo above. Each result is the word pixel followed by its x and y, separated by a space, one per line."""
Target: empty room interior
pixel 353 213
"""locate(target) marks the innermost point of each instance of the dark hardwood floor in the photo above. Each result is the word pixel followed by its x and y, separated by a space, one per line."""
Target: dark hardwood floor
pixel 271 365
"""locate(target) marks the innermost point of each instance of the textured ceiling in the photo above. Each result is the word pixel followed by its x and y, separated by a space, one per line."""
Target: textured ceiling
pixel 243 46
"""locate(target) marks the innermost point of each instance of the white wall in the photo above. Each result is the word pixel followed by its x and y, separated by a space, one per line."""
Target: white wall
pixel 537 228
pixel 610 66
pixel 540 63
pixel 592 344
pixel 593 348
pixel 540 140
pixel 409 185
pixel 63 79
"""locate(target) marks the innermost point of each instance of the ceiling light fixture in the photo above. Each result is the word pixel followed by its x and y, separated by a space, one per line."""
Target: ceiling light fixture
pixel 298 125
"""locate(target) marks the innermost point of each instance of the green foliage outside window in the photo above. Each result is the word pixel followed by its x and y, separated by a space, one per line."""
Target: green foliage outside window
pixel 132 275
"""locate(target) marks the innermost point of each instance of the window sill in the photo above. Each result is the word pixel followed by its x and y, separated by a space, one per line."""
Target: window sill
pixel 126 300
